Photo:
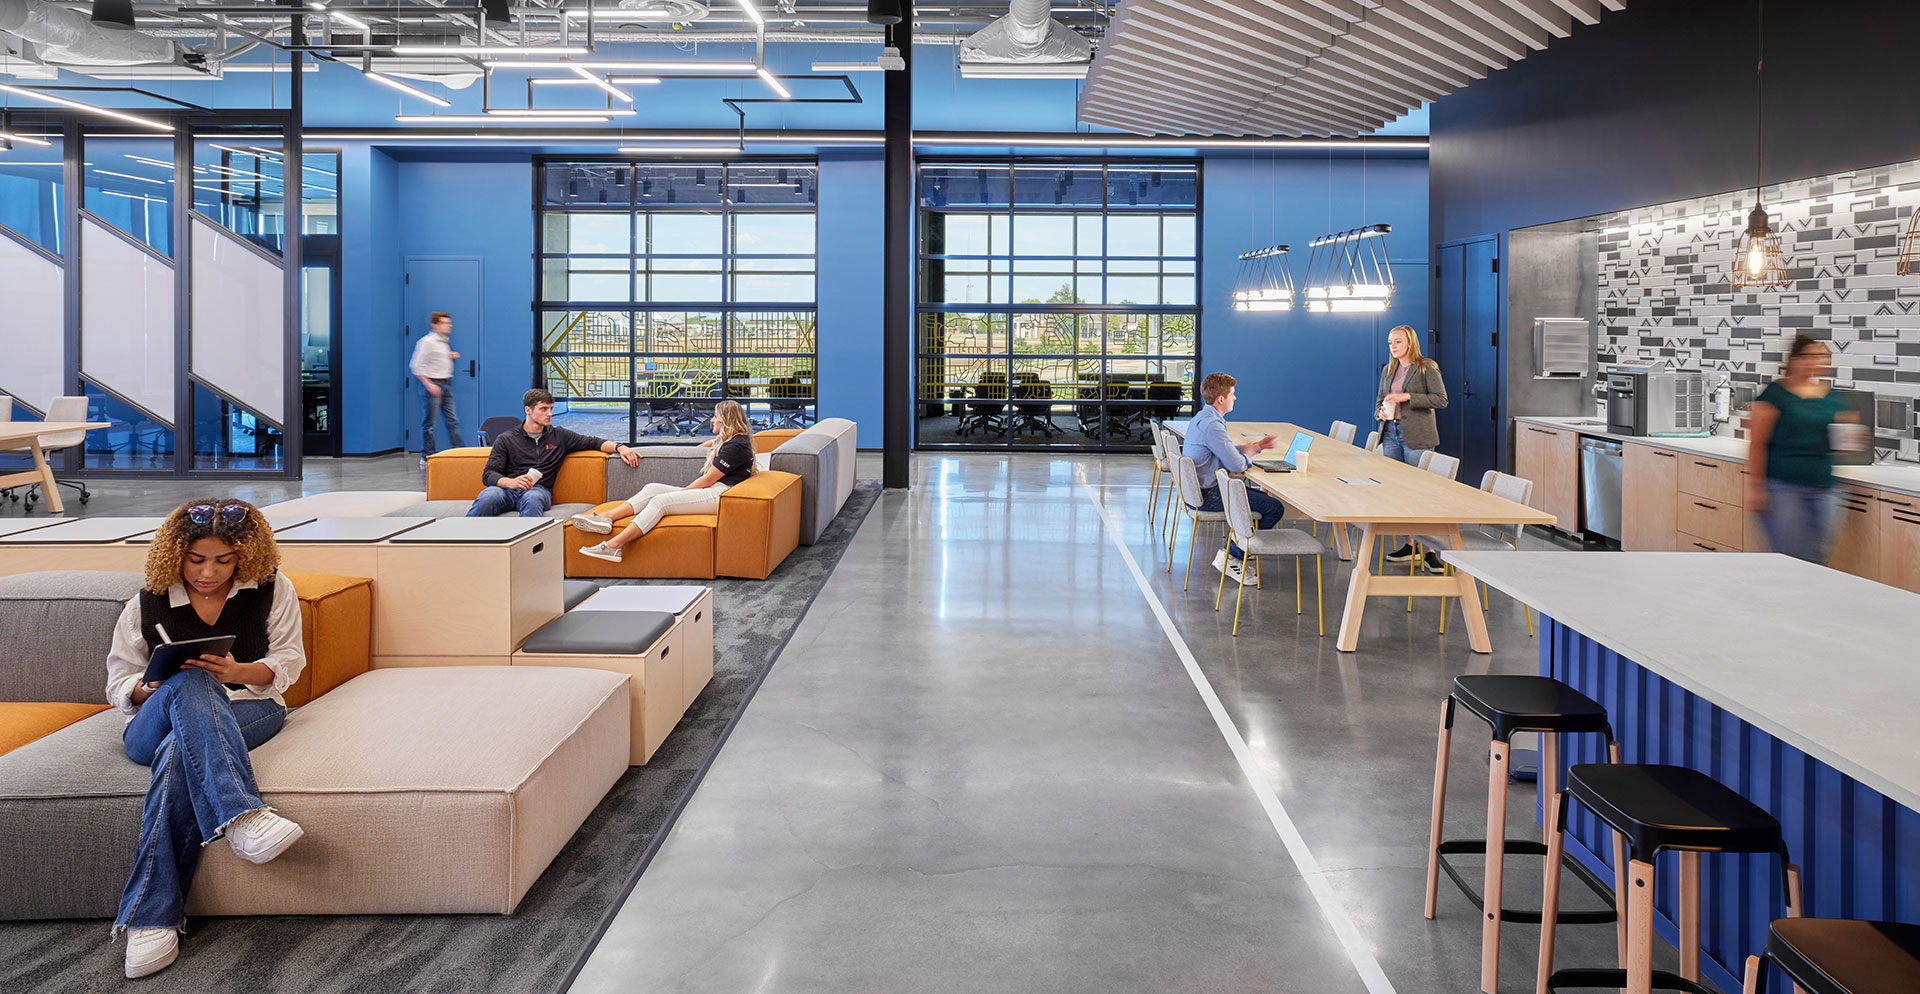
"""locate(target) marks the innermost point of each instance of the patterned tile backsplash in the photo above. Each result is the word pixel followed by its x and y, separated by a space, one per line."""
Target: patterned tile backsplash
pixel 1664 292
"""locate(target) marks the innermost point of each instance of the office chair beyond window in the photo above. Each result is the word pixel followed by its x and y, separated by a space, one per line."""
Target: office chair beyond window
pixel 491 428
pixel 1033 406
pixel 59 409
pixel 987 411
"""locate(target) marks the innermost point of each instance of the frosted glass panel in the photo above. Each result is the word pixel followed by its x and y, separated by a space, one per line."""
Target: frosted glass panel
pixel 126 320
pixel 239 321
pixel 33 335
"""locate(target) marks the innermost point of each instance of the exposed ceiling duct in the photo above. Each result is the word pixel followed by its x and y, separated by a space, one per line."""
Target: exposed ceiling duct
pixel 1028 38
pixel 66 37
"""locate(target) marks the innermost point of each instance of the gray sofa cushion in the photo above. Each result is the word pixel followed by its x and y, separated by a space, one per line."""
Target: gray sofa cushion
pixel 811 455
pixel 609 633
pixel 55 630
pixel 676 465
pixel 846 433
pixel 572 592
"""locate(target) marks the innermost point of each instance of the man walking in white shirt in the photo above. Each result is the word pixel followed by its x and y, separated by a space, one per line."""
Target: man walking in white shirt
pixel 433 367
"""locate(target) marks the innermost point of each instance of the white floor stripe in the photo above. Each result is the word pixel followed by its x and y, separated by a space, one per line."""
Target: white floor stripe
pixel 1342 924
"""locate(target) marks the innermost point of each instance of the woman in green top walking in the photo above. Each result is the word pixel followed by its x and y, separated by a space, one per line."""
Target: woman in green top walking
pixel 1790 455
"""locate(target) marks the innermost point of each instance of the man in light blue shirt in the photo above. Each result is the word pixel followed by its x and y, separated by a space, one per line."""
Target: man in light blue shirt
pixel 1211 448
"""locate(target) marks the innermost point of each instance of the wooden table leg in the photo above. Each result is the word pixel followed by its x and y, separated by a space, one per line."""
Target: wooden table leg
pixel 1342 542
pixel 1357 592
pixel 1476 620
pixel 48 488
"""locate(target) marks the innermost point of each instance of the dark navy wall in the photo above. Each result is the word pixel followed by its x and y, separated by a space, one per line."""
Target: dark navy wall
pixel 1657 103
pixel 1294 366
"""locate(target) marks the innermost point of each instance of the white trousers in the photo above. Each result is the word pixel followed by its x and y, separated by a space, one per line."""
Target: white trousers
pixel 657 500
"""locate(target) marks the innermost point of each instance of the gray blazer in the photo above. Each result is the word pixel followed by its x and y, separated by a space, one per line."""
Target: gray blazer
pixel 1429 393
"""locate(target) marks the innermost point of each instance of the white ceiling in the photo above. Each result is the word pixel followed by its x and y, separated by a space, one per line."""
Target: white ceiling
pixel 1306 67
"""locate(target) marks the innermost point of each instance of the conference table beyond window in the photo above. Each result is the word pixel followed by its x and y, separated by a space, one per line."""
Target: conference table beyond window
pixel 1399 500
pixel 18 435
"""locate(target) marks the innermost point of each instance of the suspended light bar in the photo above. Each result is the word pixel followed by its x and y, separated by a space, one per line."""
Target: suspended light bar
pixel 625 66
pixel 491 50
pixel 611 89
pixel 348 20
pixel 672 150
pixel 8 136
pixel 144 122
pixel 752 12
pixel 1349 272
pixel 616 80
pixel 1265 282
pixel 1024 70
pixel 496 118
pixel 785 94
pixel 143 179
pixel 385 80
pixel 559 113
pixel 889 61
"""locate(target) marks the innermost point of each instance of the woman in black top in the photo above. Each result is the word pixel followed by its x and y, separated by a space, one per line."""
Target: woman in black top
pixel 212 570
pixel 730 462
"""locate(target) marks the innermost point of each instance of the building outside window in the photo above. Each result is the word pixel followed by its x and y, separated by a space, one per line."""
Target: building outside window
pixel 665 288
pixel 1057 301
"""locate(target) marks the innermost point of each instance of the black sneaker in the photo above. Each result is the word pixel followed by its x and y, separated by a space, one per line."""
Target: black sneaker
pixel 1433 563
pixel 1401 555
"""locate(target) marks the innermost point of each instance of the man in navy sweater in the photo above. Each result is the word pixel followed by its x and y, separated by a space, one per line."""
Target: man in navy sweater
pixel 520 470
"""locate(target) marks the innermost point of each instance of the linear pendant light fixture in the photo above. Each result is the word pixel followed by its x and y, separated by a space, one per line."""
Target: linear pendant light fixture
pixel 145 122
pixel 612 90
pixel 1265 282
pixel 1757 261
pixel 385 80
pixel 1348 272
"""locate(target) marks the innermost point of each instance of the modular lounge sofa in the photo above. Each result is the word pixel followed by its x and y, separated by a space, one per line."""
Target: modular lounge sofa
pixel 423 790
pixel 809 474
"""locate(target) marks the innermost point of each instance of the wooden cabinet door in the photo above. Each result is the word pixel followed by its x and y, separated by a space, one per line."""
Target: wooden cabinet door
pixel 1717 480
pixel 1899 541
pixel 1530 460
pixel 1856 532
pixel 1562 481
pixel 1648 492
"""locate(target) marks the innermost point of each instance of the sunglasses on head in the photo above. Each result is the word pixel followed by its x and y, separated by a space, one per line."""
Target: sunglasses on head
pixel 232 512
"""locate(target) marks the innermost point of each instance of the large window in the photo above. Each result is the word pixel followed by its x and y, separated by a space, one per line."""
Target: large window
pixel 666 288
pixel 1057 301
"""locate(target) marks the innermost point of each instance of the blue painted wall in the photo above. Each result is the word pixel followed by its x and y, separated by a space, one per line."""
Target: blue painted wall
pixel 372 418
pixel 851 231
pixel 1294 366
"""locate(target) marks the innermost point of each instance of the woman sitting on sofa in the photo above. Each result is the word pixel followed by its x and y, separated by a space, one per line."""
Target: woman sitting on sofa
pixel 730 462
pixel 212 570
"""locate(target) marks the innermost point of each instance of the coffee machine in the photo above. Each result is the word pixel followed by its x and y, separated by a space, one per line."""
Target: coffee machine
pixel 1647 401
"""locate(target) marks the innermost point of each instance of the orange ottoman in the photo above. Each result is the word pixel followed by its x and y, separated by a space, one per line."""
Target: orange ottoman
pixel 336 629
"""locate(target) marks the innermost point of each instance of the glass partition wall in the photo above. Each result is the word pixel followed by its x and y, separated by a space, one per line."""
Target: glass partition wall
pixel 666 287
pixel 1058 301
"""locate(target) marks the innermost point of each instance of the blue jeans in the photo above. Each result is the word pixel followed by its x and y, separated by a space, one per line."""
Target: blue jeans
pixel 495 501
pixel 1266 508
pixel 1394 447
pixel 443 404
pixel 197 741
pixel 1799 520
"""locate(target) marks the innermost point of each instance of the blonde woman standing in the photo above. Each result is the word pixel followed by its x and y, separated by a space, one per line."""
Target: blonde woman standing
pixel 730 462
pixel 1410 391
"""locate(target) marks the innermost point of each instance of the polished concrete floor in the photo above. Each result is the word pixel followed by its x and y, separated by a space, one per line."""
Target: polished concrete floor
pixel 982 765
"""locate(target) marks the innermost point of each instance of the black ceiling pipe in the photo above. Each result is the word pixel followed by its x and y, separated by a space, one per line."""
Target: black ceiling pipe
pixel 113 14
pixel 496 11
pixel 883 11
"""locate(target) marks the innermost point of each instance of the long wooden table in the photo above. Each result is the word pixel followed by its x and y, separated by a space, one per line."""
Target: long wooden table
pixel 1406 501
pixel 12 433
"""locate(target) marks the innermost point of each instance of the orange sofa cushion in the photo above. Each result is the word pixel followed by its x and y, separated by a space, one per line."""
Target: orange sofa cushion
pixel 757 527
pixel 454 474
pixel 21 723
pixel 772 438
pixel 336 628
pixel 681 546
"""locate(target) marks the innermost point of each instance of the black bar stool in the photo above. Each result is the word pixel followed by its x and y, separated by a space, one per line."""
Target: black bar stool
pixel 1837 956
pixel 1656 808
pixel 1508 704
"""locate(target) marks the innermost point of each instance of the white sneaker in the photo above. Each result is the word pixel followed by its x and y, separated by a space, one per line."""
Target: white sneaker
pixel 150 950
pixel 601 551
pixel 1226 565
pixel 423 462
pixel 598 524
pixel 259 836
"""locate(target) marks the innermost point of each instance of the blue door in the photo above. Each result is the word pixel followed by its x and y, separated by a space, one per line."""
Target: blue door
pixel 1469 353
pixel 451 284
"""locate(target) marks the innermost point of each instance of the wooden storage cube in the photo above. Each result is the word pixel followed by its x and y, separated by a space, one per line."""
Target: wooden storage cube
pixel 1724 525
pixel 655 686
pixel 696 627
pixel 437 598
pixel 1717 480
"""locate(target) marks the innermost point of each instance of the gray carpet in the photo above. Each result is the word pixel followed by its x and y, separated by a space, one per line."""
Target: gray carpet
pixel 538 948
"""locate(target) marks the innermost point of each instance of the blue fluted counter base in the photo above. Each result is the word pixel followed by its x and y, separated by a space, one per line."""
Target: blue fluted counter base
pixel 1859 852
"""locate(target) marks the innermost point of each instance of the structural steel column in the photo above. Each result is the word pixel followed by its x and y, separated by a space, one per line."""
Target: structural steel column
pixel 897 361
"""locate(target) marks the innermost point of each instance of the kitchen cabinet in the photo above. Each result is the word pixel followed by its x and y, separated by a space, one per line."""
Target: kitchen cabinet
pixel 1718 481
pixel 1856 532
pixel 1550 457
pixel 1899 540
pixel 1649 498
pixel 1724 525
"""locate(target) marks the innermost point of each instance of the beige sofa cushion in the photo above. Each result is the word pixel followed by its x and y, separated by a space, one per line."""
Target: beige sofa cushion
pixel 431 790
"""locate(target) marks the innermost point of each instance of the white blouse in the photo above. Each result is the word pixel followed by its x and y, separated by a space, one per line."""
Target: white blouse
pixel 127 659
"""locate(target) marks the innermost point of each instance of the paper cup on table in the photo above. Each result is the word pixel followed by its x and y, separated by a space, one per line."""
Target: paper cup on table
pixel 1844 436
pixel 1300 462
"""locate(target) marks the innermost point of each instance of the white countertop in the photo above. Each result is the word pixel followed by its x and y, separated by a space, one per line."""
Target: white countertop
pixel 1899 477
pixel 1824 661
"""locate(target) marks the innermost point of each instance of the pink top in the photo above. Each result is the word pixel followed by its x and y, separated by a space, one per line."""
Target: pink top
pixel 1399 386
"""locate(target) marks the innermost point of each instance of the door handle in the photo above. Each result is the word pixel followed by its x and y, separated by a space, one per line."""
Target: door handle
pixel 1663 455
pixel 470 367
pixel 1710 507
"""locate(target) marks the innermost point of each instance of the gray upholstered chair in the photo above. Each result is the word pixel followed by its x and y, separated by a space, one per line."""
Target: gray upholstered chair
pixel 1255 543
pixel 1187 481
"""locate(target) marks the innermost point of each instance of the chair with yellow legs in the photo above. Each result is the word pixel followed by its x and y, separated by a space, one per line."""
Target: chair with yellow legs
pixel 1255 542
pixel 1156 440
pixel 1191 497
pixel 1485 538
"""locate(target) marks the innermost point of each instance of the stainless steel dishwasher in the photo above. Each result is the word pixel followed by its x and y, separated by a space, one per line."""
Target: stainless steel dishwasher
pixel 1600 477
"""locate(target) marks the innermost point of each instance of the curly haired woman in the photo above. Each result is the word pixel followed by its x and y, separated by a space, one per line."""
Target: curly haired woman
pixel 212 570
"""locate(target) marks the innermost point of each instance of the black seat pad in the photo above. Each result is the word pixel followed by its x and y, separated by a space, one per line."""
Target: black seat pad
pixel 1530 704
pixel 1673 807
pixel 1835 956
pixel 572 592
pixel 600 633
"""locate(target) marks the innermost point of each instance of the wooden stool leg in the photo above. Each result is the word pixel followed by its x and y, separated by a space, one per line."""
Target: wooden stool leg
pixel 1497 760
pixel 1689 916
pixel 1795 909
pixel 1550 895
pixel 1639 928
pixel 1750 984
pixel 1439 804
pixel 1619 880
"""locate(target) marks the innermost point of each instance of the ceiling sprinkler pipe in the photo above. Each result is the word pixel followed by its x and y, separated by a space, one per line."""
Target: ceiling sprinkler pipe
pixel 66 37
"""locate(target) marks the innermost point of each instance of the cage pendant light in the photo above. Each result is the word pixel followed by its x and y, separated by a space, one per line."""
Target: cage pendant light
pixel 1758 263
pixel 1265 282
pixel 1909 264
pixel 1348 272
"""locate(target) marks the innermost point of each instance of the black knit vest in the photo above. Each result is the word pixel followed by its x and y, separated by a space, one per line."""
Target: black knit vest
pixel 244 617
